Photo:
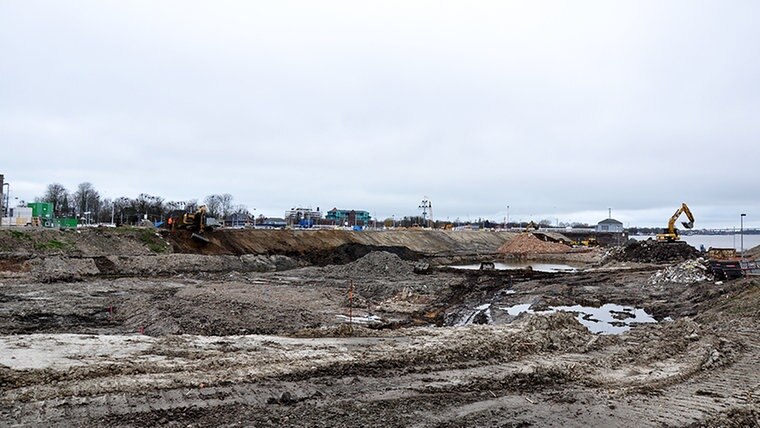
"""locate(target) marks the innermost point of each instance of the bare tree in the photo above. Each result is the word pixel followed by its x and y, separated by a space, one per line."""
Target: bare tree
pixel 55 194
pixel 150 206
pixel 225 202
pixel 87 201
pixel 213 205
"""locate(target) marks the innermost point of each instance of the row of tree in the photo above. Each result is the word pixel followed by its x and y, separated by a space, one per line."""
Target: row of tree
pixel 87 204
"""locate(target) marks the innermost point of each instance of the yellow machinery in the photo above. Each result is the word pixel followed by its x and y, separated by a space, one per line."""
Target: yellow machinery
pixel 197 222
pixel 671 233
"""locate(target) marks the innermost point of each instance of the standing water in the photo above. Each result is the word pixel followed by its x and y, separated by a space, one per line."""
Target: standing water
pixel 607 319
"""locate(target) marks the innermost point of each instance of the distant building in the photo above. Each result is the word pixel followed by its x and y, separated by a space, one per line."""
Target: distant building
pixel 272 223
pixel 348 217
pixel 609 225
pixel 303 216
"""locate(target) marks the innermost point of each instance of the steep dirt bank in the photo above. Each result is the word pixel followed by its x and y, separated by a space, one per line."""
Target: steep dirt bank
pixel 312 243
pixel 94 242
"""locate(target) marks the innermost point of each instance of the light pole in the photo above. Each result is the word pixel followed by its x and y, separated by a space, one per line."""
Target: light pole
pixel 7 200
pixel 741 232
pixel 507 216
pixel 254 218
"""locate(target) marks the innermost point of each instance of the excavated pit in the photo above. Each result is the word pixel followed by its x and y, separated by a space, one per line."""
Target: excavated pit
pixel 292 328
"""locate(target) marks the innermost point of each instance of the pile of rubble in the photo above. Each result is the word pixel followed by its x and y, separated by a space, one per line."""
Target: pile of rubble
pixel 650 251
pixel 685 272
pixel 528 244
pixel 376 263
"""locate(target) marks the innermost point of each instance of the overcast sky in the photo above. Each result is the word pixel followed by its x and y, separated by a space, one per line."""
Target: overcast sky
pixel 559 110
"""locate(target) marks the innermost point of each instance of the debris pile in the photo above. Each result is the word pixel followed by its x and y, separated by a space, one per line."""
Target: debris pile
pixel 527 244
pixel 685 272
pixel 650 251
pixel 376 263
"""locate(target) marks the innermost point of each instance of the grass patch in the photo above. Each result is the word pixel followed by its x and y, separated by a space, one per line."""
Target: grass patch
pixel 153 242
pixel 52 244
pixel 19 235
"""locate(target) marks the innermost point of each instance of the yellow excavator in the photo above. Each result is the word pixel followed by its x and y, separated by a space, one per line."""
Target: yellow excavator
pixel 197 222
pixel 671 233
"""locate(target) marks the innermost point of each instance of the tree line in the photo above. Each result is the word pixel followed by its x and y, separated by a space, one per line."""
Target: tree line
pixel 86 204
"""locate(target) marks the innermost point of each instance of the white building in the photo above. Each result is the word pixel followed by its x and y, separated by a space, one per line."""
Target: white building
pixel 609 225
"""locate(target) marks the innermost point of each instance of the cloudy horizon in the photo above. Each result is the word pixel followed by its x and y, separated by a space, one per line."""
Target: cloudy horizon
pixel 559 110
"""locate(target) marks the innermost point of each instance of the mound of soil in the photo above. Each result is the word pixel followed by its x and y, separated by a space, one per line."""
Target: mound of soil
pixel 348 253
pixel 527 243
pixel 650 251
pixel 377 263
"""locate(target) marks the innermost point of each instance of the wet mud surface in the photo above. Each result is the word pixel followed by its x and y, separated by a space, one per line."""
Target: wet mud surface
pixel 273 347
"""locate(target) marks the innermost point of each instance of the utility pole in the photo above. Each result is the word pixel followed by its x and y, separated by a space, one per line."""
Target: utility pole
pixel 426 206
pixel 741 233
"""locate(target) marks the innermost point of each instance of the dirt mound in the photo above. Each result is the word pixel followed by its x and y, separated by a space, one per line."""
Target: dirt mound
pixel 650 251
pixel 348 253
pixel 376 263
pixel 528 244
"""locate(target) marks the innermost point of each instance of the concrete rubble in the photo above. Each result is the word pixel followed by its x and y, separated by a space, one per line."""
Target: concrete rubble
pixel 686 272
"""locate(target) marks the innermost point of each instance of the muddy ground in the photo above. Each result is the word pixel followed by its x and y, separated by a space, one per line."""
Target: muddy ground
pixel 135 329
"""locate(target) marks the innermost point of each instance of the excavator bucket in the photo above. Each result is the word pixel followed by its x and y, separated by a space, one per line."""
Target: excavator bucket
pixel 199 238
pixel 688 224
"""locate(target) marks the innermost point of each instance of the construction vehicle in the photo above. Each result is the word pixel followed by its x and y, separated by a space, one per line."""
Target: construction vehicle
pixel 198 222
pixel 671 233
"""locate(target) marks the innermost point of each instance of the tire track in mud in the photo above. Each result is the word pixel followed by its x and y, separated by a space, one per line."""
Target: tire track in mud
pixel 463 399
pixel 708 393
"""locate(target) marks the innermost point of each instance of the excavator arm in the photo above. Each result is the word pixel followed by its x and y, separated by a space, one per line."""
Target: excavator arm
pixel 671 233
pixel 689 215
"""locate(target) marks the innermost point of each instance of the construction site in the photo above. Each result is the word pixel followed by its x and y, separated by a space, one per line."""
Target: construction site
pixel 123 327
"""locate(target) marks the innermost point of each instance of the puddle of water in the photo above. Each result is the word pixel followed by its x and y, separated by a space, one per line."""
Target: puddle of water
pixel 607 319
pixel 540 267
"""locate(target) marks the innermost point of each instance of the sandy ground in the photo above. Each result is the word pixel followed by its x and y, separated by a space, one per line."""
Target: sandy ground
pixel 442 349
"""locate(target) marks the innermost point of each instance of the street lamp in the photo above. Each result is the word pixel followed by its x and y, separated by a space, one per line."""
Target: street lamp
pixel 741 232
pixel 7 200
pixel 254 218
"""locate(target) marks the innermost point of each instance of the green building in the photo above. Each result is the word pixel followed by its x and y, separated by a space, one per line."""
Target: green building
pixel 43 210
pixel 348 217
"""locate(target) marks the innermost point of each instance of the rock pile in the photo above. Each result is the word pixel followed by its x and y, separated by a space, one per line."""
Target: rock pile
pixel 650 251
pixel 685 272
pixel 528 244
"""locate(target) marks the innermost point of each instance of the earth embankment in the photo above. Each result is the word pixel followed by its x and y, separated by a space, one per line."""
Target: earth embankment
pixel 51 255
pixel 408 244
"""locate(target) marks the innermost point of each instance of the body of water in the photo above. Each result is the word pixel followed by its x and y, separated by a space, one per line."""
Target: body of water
pixel 715 241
